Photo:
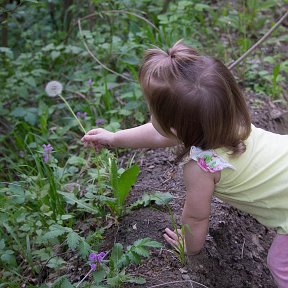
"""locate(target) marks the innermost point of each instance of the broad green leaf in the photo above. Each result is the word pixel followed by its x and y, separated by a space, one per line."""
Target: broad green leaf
pixel 125 183
pixel 201 7
pixel 54 232
pixel 99 275
pixel 62 282
pixel 17 193
pixel 56 262
pixel 55 54
pixel 9 258
pixel 158 198
pixel 116 254
pixel 141 251
pixel 71 199
pixel 147 242
pixel 134 257
pixel 18 112
pixel 84 249
pixel 76 160
pixel 30 81
pixel 73 240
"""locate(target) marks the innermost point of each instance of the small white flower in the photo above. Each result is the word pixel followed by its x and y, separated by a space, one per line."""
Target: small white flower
pixel 53 88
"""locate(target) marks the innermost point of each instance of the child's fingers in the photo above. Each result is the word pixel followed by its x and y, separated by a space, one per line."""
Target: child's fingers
pixel 171 237
pixel 89 138
pixel 171 233
pixel 93 131
pixel 170 240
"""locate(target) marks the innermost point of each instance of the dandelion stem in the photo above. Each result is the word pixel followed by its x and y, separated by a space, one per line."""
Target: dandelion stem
pixel 70 109
pixel 78 285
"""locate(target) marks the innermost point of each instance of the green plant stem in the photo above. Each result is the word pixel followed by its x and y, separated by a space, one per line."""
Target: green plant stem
pixel 70 109
pixel 78 285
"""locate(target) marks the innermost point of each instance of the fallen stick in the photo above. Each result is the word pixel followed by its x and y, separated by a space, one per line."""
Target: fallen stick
pixel 231 66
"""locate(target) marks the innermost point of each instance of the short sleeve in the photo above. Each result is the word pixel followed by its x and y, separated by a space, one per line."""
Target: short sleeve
pixel 208 160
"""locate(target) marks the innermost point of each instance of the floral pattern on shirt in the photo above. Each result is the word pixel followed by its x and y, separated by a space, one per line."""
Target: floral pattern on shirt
pixel 208 160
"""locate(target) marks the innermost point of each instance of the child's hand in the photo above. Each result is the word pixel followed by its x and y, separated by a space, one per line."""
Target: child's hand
pixel 175 239
pixel 98 138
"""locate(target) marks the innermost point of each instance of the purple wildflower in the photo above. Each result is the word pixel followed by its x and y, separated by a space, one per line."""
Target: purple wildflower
pixel 81 115
pixel 99 122
pixel 21 154
pixel 89 82
pixel 47 151
pixel 93 266
pixel 96 259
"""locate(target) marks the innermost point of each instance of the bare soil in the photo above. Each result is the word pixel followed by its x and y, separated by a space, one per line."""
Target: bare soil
pixel 236 248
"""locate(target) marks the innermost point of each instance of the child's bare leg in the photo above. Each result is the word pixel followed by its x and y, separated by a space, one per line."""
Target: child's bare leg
pixel 278 260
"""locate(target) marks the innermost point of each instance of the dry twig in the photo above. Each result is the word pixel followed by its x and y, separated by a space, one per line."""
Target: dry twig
pixel 258 43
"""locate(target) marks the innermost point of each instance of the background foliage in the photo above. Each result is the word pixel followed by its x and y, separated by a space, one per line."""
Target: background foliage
pixel 53 211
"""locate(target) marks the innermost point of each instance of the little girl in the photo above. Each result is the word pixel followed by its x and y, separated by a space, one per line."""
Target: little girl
pixel 195 101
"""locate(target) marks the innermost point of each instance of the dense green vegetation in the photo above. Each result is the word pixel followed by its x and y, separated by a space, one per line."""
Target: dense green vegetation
pixel 56 196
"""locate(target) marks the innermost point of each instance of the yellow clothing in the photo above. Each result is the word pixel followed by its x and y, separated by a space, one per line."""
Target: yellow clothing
pixel 258 184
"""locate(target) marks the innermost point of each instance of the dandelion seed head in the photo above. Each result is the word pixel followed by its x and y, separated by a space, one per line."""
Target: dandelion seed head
pixel 53 88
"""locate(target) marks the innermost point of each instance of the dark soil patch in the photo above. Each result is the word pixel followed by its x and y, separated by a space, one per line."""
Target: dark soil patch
pixel 236 248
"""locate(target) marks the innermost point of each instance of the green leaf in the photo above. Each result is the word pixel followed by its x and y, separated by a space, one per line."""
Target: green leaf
pixel 30 81
pixel 131 59
pixel 17 193
pixel 9 258
pixel 71 199
pixel 62 282
pixel 158 198
pixel 99 275
pixel 136 280
pixel 76 160
pixel 147 242
pixel 2 244
pixel 55 54
pixel 84 249
pixel 116 254
pixel 56 262
pixel 201 7
pixel 18 112
pixel 276 70
pixel 55 231
pixel 134 257
pixel 141 251
pixel 30 118
pixel 125 183
pixel 73 240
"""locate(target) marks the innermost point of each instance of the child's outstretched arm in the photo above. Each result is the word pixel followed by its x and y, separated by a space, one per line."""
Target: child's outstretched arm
pixel 195 216
pixel 144 136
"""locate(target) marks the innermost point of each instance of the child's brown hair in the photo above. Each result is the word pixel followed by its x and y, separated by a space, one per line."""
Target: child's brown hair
pixel 197 96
